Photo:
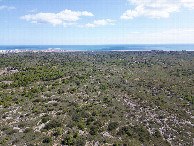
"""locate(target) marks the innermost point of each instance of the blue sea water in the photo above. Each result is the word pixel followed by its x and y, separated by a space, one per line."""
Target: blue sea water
pixel 165 47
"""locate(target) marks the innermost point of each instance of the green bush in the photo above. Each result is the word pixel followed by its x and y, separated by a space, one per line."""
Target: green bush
pixel 4 140
pixel 45 118
pixel 93 130
pixel 53 124
pixel 68 140
pixel 76 117
pixel 21 125
pixel 47 140
pixel 143 133
pixel 80 141
pixel 11 131
pixel 157 133
pixel 58 131
pixel 81 126
pixel 60 91
pixel 125 130
pixel 112 126
pixel 27 130
pixel 85 114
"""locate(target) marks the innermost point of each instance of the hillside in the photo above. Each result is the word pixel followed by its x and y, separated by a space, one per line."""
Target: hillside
pixel 97 98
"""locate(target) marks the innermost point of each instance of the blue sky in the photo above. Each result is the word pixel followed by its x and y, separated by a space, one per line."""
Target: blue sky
pixel 88 22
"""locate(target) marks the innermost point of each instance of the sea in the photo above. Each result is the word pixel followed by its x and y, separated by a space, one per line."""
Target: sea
pixel 131 47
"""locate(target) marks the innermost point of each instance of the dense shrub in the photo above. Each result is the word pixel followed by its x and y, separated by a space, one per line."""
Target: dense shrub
pixel 112 126
pixel 68 140
pixel 47 140
pixel 28 130
pixel 93 130
pixel 53 124
pixel 45 119
pixel 58 131
pixel 157 133
pixel 125 130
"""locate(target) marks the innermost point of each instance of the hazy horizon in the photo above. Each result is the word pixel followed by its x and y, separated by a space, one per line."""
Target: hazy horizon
pixel 110 47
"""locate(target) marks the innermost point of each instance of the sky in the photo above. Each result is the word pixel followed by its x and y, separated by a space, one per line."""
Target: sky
pixel 94 22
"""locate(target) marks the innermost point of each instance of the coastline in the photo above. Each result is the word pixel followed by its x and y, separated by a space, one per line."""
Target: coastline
pixel 63 51
pixel 37 51
pixel 96 48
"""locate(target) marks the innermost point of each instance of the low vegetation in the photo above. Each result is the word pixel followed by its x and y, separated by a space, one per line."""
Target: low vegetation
pixel 97 98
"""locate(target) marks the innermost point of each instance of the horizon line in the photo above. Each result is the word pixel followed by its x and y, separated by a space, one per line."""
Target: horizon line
pixel 96 44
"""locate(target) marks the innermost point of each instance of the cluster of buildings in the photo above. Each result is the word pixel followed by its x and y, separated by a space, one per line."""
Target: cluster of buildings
pixel 30 51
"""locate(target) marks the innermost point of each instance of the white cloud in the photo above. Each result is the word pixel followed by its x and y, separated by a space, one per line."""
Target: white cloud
pixel 85 13
pixel 102 22
pixel 129 14
pixel 90 25
pixel 65 16
pixel 67 24
pixel 7 7
pixel 188 3
pixel 156 8
pixel 56 18
pixel 2 7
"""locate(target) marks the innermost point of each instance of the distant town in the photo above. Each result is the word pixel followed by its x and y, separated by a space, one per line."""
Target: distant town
pixel 34 51
pixel 59 51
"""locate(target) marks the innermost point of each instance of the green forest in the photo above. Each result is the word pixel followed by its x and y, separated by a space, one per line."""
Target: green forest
pixel 97 98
